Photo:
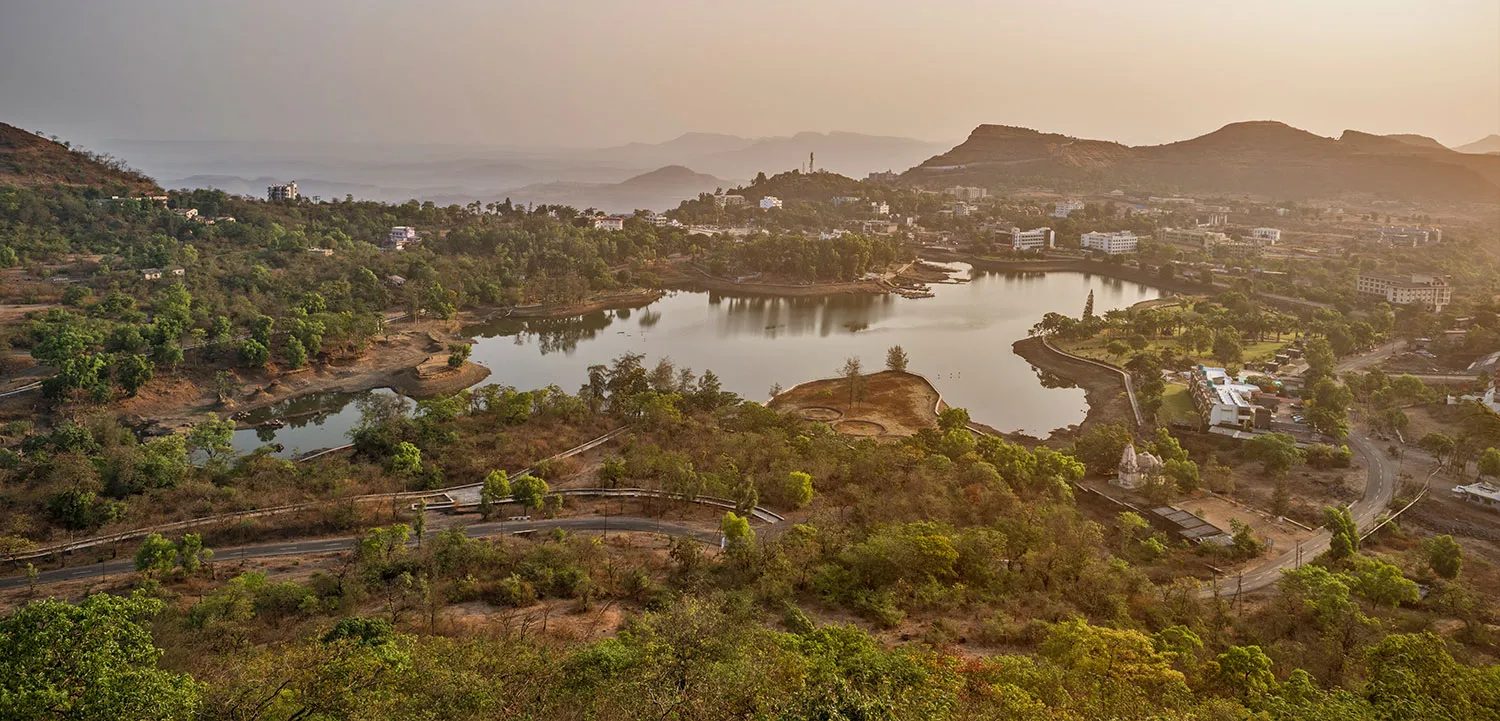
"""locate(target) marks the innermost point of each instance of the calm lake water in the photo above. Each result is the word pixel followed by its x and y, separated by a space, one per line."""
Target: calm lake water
pixel 961 340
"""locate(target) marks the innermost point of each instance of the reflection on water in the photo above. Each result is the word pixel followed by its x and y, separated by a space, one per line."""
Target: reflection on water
pixel 313 421
pixel 960 339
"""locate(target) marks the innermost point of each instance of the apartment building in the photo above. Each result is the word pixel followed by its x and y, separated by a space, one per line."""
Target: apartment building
pixel 609 222
pixel 1066 208
pixel 1222 401
pixel 965 192
pixel 1432 291
pixel 1402 235
pixel 1115 243
pixel 1192 237
pixel 1037 239
pixel 729 201
pixel 769 202
pixel 282 192
pixel 1269 236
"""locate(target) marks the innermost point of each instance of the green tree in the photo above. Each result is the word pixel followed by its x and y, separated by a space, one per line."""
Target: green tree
pixel 799 489
pixel 1381 583
pixel 530 491
pixel 1183 473
pixel 1227 348
pixel 156 556
pixel 213 436
pixel 294 353
pixel 1277 452
pixel 896 359
pixel 496 489
pixel 1489 463
pixel 407 460
pixel 1244 672
pixel 1117 349
pixel 737 532
pixel 1444 556
pixel 191 554
pixel 458 354
pixel 1345 533
pixel 853 372
pixel 1100 447
pixel 134 371
pixel 94 661
pixel 253 354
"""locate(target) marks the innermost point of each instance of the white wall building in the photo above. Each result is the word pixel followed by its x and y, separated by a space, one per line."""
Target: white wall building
pixel 1410 237
pixel 609 222
pixel 1270 236
pixel 282 192
pixel 402 236
pixel 1116 243
pixel 1067 207
pixel 1037 239
pixel 1432 291
pixel 1192 237
pixel 1220 400
pixel 769 202
pixel 965 192
pixel 1482 494
pixel 729 201
pixel 880 208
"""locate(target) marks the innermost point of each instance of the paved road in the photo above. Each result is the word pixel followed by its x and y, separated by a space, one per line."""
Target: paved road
pixel 1379 488
pixel 1364 360
pixel 334 545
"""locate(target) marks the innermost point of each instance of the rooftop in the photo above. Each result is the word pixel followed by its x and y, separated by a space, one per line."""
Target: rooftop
pixel 1481 489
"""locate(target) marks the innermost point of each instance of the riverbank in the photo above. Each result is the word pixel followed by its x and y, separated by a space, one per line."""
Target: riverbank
pixel 1118 271
pixel 1104 391
pixel 693 278
pixel 554 311
pixel 171 403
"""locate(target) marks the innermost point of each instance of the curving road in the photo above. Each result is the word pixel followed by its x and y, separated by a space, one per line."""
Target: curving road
pixel 1379 487
pixel 333 545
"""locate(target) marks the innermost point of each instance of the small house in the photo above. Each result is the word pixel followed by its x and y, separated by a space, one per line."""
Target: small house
pixel 151 274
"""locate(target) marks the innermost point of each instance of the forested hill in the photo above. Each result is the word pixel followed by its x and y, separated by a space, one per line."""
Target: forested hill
pixel 30 159
pixel 1262 158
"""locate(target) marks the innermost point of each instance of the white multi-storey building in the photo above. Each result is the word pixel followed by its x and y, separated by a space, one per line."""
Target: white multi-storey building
pixel 1432 291
pixel 1067 208
pixel 609 222
pixel 769 202
pixel 1223 402
pixel 964 192
pixel 1269 236
pixel 1192 237
pixel 282 192
pixel 1115 243
pixel 402 236
pixel 1411 237
pixel 1037 239
pixel 881 208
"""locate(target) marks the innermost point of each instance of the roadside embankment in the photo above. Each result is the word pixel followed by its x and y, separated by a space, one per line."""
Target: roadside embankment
pixel 1104 390
pixel 609 301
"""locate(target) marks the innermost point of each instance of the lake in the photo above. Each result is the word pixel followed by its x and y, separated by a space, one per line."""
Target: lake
pixel 960 339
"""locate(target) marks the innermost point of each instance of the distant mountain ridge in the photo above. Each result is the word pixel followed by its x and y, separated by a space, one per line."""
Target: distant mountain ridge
pixel 1486 145
pixel 1259 157
pixel 659 189
pixel 852 154
pixel 30 159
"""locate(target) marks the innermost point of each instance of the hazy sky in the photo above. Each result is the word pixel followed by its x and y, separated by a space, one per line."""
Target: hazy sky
pixel 587 72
